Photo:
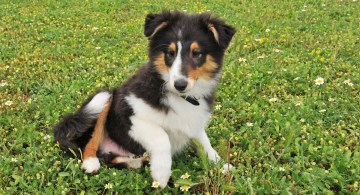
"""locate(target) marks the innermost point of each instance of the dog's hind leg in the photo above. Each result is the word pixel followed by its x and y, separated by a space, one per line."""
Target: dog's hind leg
pixel 121 162
pixel 91 163
pixel 74 131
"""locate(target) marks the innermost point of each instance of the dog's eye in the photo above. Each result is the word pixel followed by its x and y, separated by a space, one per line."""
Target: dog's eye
pixel 196 53
pixel 170 53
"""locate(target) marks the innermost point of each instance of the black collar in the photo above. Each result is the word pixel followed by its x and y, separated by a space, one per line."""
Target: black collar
pixel 191 100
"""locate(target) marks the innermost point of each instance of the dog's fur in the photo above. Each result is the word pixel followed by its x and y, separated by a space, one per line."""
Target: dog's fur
pixel 159 109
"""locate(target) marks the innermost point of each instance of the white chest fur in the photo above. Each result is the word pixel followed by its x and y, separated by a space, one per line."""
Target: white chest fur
pixel 182 122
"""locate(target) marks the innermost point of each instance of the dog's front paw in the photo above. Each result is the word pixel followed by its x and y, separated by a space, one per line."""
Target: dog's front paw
pixel 161 172
pixel 227 167
pixel 91 165
pixel 161 176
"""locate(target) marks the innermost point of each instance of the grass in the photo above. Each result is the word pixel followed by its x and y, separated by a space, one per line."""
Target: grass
pixel 282 132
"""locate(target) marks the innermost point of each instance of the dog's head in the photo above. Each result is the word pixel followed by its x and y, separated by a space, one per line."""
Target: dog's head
pixel 187 50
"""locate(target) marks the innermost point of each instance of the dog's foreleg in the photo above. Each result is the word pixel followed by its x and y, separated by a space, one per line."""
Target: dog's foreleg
pixel 203 139
pixel 156 141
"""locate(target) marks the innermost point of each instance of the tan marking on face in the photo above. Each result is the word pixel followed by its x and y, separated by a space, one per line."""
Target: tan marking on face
pixel 172 46
pixel 194 46
pixel 159 63
pixel 205 71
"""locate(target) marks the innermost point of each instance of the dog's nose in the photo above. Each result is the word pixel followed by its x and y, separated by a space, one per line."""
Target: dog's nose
pixel 180 85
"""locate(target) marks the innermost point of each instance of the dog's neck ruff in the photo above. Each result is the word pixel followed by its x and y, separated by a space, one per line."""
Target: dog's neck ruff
pixel 191 100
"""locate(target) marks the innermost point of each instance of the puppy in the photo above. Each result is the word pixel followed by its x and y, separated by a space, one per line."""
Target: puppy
pixel 159 109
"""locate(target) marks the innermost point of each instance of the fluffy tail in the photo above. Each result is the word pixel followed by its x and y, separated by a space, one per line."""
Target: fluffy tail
pixel 74 131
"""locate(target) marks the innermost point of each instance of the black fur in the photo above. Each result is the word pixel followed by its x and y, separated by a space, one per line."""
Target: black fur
pixel 74 131
pixel 225 31
pixel 145 84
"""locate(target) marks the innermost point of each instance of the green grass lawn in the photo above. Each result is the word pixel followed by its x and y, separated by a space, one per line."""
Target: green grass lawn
pixel 282 132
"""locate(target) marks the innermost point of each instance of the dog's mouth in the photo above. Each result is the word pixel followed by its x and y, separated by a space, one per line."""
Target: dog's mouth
pixel 189 98
pixel 187 93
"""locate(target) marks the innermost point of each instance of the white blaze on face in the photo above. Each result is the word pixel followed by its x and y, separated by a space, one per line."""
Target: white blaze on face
pixel 175 71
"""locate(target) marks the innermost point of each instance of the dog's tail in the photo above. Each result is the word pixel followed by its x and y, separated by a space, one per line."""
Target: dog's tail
pixel 74 131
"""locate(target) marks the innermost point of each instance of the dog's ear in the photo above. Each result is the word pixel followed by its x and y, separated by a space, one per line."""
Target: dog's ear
pixel 221 31
pixel 155 23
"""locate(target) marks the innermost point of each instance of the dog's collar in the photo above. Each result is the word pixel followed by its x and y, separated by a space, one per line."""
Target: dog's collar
pixel 191 100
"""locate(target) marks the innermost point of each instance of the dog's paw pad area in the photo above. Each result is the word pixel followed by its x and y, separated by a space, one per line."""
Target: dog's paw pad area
pixel 227 167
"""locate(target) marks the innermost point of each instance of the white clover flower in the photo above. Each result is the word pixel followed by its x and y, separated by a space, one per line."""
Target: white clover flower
pixel 218 107
pixel 3 84
pixel 223 171
pixel 274 99
pixel 331 100
pixel 347 81
pixel 46 137
pixel 108 186
pixel 267 30
pixel 262 56
pixel 249 124
pixel 13 160
pixel 242 60
pixel 155 184
pixel 319 81
pixel 282 169
pixel 9 103
pixel 322 110
pixel 185 188
pixel 97 48
pixel 185 176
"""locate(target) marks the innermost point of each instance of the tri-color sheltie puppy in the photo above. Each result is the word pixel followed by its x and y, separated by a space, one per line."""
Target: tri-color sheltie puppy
pixel 159 109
